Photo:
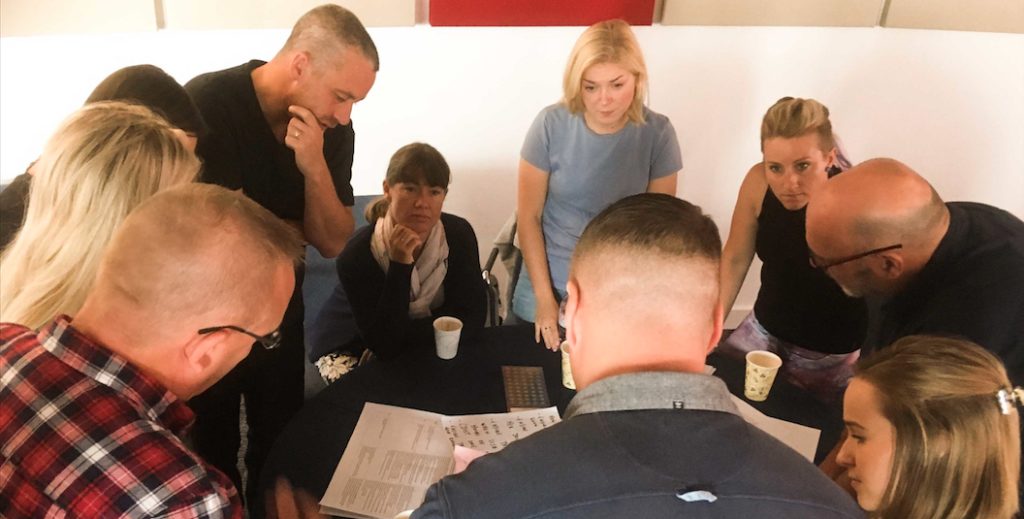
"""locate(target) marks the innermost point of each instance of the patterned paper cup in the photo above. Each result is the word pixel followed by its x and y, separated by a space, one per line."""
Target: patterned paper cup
pixel 762 366
pixel 567 379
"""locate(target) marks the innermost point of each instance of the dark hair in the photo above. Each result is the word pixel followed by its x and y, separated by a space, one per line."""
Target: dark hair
pixel 653 222
pixel 416 163
pixel 153 88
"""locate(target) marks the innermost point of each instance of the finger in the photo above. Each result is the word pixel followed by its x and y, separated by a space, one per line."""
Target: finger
pixel 536 333
pixel 285 499
pixel 304 115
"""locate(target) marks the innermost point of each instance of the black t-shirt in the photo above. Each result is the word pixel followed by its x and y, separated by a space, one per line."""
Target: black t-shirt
pixel 241 152
pixel 797 302
pixel 972 287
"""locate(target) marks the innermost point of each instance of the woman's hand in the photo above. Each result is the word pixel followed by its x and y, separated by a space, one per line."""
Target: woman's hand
pixel 403 245
pixel 546 323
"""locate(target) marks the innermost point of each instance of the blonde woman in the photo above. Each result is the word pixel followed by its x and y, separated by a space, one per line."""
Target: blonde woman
pixel 800 313
pixel 933 432
pixel 102 162
pixel 596 146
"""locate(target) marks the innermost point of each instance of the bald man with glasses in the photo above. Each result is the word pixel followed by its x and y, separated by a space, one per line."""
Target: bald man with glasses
pixel 882 232
pixel 92 408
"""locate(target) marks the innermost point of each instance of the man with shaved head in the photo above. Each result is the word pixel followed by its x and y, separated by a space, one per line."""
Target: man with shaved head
pixel 881 231
pixel 92 408
pixel 649 434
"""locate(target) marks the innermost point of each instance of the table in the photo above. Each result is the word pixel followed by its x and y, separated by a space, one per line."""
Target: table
pixel 308 450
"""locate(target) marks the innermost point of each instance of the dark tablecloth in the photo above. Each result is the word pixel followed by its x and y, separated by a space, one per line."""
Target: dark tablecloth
pixel 308 450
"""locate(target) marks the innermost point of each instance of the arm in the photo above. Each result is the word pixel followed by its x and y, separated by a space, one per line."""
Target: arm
pixel 533 190
pixel 739 248
pixel 380 303
pixel 666 184
pixel 327 223
pixel 465 294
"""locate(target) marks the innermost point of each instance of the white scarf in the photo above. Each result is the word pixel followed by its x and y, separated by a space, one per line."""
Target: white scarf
pixel 426 288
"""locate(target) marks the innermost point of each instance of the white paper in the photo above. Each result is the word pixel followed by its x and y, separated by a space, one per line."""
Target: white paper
pixel 396 453
pixel 802 439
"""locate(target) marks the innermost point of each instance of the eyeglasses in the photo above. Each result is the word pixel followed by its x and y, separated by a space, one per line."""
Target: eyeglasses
pixel 823 265
pixel 268 341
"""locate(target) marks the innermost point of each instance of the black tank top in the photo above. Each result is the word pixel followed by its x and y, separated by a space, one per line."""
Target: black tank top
pixel 798 303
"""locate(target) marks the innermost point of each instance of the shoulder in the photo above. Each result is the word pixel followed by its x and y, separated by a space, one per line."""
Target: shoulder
pixel 357 247
pixel 220 84
pixel 555 115
pixel 453 222
pixel 656 121
pixel 753 188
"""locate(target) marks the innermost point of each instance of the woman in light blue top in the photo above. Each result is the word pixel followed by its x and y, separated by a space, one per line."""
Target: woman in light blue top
pixel 599 144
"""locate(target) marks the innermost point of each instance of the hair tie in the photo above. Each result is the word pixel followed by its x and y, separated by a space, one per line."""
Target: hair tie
pixel 1010 397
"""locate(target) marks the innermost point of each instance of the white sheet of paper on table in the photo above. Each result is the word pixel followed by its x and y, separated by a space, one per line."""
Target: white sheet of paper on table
pixel 800 438
pixel 396 453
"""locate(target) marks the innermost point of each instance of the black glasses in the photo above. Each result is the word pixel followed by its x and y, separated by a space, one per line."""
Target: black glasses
pixel 268 341
pixel 823 265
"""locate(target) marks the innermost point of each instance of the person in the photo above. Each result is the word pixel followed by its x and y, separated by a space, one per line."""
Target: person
pixel 800 313
pixel 413 262
pixel 147 85
pixel 599 144
pixel 94 406
pixel 933 431
pixel 649 434
pixel 280 131
pixel 881 231
pixel 102 162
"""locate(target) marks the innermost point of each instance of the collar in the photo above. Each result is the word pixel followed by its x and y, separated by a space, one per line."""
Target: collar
pixel 653 390
pixel 147 396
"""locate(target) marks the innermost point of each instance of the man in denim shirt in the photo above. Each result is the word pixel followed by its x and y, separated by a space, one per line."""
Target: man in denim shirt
pixel 648 435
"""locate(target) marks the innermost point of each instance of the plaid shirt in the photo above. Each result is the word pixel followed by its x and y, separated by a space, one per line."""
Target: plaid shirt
pixel 85 434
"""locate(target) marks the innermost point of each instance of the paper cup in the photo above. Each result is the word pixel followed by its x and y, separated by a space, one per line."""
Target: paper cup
pixel 762 366
pixel 446 336
pixel 567 379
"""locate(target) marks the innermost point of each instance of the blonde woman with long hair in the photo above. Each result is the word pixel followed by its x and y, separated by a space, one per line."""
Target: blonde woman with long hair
pixel 933 432
pixel 103 161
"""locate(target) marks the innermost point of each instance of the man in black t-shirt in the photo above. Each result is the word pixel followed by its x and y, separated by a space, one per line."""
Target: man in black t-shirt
pixel 280 131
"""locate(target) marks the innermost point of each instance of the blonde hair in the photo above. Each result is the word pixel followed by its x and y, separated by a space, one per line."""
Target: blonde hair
pixel 792 117
pixel 611 41
pixel 103 161
pixel 956 455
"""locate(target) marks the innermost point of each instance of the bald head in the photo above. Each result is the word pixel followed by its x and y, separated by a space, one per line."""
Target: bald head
pixel 878 203
pixel 197 252
pixel 643 289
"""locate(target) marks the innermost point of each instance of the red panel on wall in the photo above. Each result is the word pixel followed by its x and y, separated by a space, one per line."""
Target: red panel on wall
pixel 538 12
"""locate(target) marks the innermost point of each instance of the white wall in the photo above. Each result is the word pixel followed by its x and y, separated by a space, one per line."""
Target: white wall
pixel 950 104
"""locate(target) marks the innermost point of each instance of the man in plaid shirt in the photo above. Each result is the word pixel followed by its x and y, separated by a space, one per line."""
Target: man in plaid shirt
pixel 92 408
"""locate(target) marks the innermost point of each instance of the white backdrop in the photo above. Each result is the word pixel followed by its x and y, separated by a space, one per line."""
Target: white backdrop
pixel 950 104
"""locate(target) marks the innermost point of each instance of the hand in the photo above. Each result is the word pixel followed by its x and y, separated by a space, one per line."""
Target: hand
pixel 284 502
pixel 464 456
pixel 546 323
pixel 403 245
pixel 305 136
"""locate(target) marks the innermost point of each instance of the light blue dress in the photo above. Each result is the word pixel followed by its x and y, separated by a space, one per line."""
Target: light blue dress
pixel 586 173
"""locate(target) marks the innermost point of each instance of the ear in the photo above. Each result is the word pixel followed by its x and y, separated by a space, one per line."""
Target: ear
pixel 716 330
pixel 572 304
pixel 387 189
pixel 200 354
pixel 299 64
pixel 830 158
pixel 891 265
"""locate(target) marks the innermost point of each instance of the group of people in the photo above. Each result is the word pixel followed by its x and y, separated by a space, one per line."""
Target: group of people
pixel 136 289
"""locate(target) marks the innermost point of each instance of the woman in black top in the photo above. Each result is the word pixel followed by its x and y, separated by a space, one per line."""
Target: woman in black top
pixel 412 263
pixel 800 313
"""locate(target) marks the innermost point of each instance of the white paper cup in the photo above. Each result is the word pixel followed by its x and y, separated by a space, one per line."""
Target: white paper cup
pixel 567 379
pixel 762 366
pixel 446 336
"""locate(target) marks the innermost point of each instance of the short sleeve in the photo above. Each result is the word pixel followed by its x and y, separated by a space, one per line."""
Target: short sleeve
pixel 339 161
pixel 667 158
pixel 537 143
